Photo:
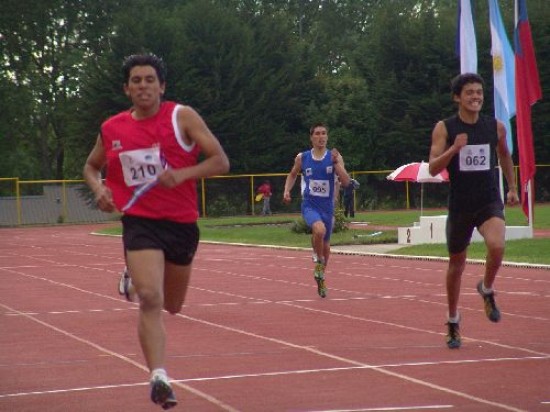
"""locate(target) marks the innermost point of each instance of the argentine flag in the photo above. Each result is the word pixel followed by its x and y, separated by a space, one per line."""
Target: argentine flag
pixel 503 72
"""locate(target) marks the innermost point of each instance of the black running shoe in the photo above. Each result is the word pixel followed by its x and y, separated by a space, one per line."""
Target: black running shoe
pixel 321 287
pixel 453 335
pixel 170 402
pixel 319 275
pixel 491 309
pixel 162 394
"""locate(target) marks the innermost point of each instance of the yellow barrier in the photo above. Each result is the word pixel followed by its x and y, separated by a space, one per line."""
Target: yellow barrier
pixel 25 202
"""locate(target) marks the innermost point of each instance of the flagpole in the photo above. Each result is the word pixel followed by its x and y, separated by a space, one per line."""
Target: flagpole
pixel 421 198
pixel 501 183
pixel 530 203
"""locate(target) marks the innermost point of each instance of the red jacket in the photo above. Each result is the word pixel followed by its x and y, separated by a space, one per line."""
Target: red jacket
pixel 265 189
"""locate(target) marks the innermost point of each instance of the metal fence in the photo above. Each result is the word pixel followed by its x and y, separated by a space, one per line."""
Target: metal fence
pixel 31 202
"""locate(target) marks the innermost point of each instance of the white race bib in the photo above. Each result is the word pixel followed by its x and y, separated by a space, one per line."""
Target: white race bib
pixel 320 188
pixel 475 158
pixel 141 166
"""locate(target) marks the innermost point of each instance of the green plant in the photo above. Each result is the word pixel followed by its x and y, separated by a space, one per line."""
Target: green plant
pixel 300 226
pixel 223 206
pixel 340 223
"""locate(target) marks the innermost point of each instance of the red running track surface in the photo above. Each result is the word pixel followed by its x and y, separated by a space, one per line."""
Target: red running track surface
pixel 254 336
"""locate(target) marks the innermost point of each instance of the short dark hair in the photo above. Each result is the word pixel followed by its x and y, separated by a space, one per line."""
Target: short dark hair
pixel 463 79
pixel 144 60
pixel 315 125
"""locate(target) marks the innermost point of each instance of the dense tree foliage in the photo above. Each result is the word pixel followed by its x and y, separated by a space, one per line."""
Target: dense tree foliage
pixel 43 49
pixel 260 72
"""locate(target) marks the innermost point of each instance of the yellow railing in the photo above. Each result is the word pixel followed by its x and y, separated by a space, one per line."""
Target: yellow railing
pixel 69 201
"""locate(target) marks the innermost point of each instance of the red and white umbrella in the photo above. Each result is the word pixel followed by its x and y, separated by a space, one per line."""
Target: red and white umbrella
pixel 418 172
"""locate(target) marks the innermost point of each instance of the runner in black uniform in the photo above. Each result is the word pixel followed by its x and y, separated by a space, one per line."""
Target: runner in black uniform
pixel 468 144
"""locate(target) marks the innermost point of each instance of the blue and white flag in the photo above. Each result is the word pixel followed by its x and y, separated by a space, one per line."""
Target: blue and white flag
pixel 503 72
pixel 466 47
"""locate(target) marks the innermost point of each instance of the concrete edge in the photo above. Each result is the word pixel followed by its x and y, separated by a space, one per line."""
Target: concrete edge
pixel 384 255
pixel 339 251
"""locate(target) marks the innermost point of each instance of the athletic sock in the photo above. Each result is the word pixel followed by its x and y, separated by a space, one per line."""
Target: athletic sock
pixel 454 319
pixel 486 291
pixel 160 373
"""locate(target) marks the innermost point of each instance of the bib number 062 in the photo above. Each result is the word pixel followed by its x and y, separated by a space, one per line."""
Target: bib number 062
pixel 475 160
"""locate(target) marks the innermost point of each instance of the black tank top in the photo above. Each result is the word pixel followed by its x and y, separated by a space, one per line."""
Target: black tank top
pixel 472 172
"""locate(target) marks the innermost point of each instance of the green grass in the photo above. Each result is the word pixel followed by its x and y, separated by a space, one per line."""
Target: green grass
pixel 514 216
pixel 519 251
pixel 276 230
pixel 280 234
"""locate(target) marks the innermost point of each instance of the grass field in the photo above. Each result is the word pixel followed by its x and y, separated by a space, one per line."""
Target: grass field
pixel 276 230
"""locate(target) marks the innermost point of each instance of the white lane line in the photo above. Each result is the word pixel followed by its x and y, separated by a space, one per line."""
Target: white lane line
pixel 126 359
pixel 389 408
pixel 385 371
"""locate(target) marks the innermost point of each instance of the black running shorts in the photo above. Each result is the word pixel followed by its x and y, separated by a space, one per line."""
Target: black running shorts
pixel 178 241
pixel 460 225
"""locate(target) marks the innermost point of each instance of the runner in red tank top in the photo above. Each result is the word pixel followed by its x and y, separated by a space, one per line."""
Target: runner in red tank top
pixel 150 153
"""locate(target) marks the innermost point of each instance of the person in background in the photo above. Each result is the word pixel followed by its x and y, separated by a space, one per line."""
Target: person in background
pixel 265 190
pixel 468 145
pixel 349 198
pixel 150 154
pixel 319 167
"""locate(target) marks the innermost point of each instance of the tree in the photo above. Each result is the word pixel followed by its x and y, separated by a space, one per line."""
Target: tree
pixel 260 72
pixel 238 70
pixel 45 46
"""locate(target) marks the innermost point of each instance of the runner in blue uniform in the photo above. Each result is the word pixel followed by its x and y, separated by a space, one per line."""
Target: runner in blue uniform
pixel 319 167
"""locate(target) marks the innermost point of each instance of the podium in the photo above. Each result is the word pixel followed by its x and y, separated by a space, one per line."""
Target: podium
pixel 431 229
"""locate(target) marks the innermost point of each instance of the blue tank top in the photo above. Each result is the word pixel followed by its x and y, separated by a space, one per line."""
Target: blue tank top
pixel 318 181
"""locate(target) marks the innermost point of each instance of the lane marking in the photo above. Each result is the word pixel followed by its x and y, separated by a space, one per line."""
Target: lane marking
pixel 124 358
pixel 405 377
pixel 344 360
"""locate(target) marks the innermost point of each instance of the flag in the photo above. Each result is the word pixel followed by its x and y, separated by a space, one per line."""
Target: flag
pixel 528 91
pixel 466 47
pixel 503 72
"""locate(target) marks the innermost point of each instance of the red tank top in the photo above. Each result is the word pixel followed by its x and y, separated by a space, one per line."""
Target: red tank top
pixel 122 133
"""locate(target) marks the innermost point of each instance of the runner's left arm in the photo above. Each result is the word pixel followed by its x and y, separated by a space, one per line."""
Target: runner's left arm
pixel 507 164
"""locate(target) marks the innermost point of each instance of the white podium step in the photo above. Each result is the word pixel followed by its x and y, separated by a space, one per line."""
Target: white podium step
pixel 431 229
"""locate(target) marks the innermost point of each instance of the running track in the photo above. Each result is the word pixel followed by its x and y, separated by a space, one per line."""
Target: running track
pixel 254 335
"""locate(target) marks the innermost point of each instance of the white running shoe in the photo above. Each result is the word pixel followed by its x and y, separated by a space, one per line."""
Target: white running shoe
pixel 125 286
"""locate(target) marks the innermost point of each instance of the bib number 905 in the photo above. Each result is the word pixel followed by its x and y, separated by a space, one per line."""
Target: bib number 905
pixel 319 188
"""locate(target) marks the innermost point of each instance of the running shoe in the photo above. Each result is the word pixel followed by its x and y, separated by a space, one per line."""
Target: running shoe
pixel 453 335
pixel 161 393
pixel 319 275
pixel 491 309
pixel 124 285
